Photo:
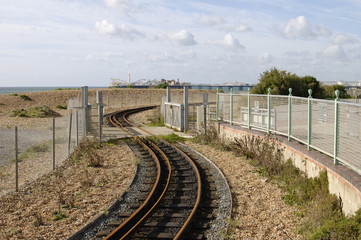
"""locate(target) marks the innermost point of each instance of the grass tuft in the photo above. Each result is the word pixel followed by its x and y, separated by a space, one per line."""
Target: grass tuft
pixel 61 106
pixel 172 138
pixel 36 112
pixel 26 98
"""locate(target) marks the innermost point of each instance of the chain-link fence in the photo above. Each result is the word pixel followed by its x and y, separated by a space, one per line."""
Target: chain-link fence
pixel 40 148
pixel 329 126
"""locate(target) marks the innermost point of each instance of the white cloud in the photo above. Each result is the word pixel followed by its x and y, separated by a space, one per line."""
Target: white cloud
pixel 341 39
pixel 106 28
pixel 121 5
pixel 182 38
pixel 242 28
pixel 334 52
pixel 229 42
pixel 300 27
pixel 265 58
pixel 211 20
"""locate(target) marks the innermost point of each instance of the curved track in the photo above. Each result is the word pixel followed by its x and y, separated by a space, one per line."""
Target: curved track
pixel 174 199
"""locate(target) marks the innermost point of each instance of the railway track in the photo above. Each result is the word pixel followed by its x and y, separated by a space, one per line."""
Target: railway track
pixel 177 198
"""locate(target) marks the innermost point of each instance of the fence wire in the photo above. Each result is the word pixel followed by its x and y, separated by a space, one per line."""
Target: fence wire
pixel 35 150
pixel 349 141
pixel 299 119
pixel 323 125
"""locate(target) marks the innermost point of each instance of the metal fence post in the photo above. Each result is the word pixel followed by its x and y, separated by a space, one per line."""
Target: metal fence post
pixel 53 143
pixel 16 161
pixel 99 96
pixel 335 138
pixel 289 114
pixel 168 95
pixel 205 103
pixel 309 119
pixel 85 110
pixel 231 106
pixel 269 110
pixel 69 133
pixel 249 108
pixel 77 128
pixel 217 105
pixel 185 100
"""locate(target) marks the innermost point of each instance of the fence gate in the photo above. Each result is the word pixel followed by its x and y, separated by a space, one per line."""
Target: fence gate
pixel 174 115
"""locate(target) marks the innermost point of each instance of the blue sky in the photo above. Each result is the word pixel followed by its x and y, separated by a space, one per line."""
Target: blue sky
pixel 87 42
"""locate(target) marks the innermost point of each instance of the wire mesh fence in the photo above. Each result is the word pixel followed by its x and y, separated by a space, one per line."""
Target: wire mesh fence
pixel 329 126
pixel 39 149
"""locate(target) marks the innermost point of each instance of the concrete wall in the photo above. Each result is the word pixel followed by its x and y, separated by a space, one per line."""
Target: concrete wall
pixel 343 182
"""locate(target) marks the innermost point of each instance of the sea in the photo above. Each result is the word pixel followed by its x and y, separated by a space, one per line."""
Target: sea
pixel 7 90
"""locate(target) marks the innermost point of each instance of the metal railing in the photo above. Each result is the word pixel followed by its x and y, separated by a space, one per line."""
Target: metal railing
pixel 329 126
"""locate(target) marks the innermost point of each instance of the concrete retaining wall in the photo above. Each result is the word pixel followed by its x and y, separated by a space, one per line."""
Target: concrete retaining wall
pixel 343 182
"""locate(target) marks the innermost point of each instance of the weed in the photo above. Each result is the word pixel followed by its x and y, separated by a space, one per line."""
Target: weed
pixel 2 104
pixel 38 148
pixel 264 153
pixel 26 98
pixel 59 216
pixel 321 212
pixel 172 138
pixel 111 142
pixel 14 94
pixel 212 139
pixel 86 153
pixel 136 161
pixel 36 112
pixel 61 106
pixel 58 89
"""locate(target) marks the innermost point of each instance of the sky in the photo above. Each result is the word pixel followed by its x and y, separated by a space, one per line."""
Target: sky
pixel 87 42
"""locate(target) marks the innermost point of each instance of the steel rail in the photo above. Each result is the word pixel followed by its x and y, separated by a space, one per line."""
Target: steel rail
pixel 185 226
pixel 114 234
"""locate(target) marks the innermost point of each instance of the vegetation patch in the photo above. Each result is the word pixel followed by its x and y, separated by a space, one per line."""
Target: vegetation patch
pixel 61 106
pixel 59 89
pixel 36 112
pixel 2 104
pixel 59 216
pixel 320 211
pixel 26 98
pixel 88 155
pixel 14 94
pixel 155 121
pixel 172 138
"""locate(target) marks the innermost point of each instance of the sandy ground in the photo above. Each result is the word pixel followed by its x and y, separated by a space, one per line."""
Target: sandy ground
pixel 74 193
